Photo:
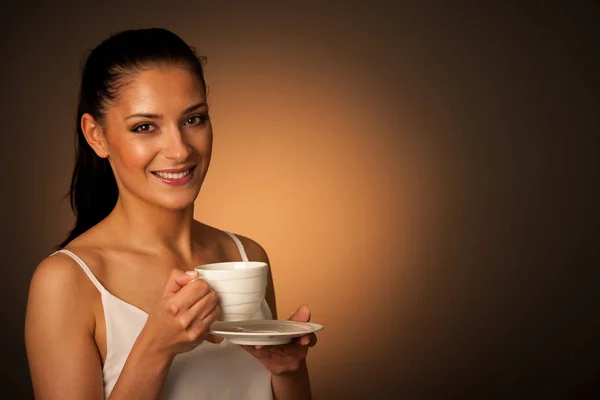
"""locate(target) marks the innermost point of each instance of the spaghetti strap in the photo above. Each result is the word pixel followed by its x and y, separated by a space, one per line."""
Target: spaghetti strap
pixel 84 267
pixel 239 245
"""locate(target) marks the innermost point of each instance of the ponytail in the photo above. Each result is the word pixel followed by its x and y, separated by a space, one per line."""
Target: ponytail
pixel 93 193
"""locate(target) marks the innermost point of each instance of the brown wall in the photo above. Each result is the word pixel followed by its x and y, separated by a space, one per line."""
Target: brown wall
pixel 421 176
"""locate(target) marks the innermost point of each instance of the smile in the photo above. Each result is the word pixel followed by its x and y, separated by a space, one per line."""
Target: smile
pixel 170 175
pixel 175 178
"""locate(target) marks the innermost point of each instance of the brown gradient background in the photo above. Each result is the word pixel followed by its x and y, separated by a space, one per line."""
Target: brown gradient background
pixel 422 176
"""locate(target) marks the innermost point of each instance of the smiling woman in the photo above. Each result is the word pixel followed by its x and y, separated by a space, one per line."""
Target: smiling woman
pixel 157 132
pixel 119 312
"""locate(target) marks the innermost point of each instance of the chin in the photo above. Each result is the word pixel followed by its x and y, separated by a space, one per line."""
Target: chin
pixel 177 203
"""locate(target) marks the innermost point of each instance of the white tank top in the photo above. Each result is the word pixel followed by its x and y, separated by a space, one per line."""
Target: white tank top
pixel 210 371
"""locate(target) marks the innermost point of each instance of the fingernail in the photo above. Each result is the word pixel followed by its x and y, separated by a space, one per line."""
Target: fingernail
pixel 191 273
pixel 258 347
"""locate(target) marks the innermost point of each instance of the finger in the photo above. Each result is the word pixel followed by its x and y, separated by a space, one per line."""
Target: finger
pixel 276 348
pixel 293 351
pixel 260 354
pixel 178 279
pixel 272 348
pixel 200 326
pixel 307 340
pixel 204 306
pixel 214 339
pixel 302 314
pixel 190 294
pixel 290 351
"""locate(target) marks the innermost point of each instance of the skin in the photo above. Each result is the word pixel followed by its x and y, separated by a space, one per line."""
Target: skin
pixel 141 252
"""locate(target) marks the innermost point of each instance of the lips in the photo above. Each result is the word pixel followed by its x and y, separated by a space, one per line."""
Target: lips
pixel 175 176
pixel 177 170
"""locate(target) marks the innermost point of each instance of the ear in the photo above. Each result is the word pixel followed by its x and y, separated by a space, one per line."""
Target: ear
pixel 94 135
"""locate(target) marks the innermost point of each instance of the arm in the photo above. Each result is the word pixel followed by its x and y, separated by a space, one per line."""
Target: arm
pixel 59 334
pixel 286 385
pixel 61 347
pixel 60 340
pixel 144 373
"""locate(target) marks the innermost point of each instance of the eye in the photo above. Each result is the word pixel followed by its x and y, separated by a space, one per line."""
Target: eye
pixel 196 120
pixel 143 128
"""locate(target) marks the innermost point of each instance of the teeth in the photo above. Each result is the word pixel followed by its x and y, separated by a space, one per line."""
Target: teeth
pixel 169 175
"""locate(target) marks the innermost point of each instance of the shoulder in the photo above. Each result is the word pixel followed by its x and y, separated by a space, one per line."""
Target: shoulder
pixel 59 330
pixel 59 286
pixel 56 272
pixel 253 249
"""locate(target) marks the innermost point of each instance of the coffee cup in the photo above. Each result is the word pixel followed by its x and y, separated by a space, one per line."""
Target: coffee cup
pixel 240 285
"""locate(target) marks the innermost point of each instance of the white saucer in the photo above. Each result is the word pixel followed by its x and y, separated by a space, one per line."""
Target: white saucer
pixel 262 332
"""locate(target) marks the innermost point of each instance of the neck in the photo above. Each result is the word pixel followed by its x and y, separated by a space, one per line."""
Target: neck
pixel 155 229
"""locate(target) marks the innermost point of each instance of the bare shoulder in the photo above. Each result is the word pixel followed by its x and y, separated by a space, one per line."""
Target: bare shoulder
pixel 254 250
pixel 62 355
pixel 59 282
pixel 59 285
pixel 56 272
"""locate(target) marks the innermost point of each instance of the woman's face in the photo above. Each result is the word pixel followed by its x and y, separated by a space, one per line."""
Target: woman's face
pixel 159 138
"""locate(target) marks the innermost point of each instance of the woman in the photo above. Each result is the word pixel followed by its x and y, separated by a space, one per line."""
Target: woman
pixel 119 312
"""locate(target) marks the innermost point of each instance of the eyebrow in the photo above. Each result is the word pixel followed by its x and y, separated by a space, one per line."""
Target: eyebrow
pixel 159 116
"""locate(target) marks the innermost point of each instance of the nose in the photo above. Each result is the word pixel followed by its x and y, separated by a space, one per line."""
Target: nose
pixel 175 146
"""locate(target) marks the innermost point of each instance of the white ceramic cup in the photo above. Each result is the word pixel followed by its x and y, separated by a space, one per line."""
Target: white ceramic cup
pixel 240 285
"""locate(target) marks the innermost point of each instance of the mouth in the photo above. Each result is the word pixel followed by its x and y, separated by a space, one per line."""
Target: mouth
pixel 175 177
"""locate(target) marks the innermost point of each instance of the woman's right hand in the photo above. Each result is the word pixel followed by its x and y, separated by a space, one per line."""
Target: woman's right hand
pixel 181 319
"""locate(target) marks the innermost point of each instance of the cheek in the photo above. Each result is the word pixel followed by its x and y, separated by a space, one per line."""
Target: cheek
pixel 200 144
pixel 134 155
pixel 205 146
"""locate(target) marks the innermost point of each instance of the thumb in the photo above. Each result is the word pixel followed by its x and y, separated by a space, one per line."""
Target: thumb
pixel 302 314
pixel 177 280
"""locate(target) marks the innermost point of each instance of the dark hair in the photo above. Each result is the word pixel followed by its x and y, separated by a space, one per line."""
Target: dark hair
pixel 94 192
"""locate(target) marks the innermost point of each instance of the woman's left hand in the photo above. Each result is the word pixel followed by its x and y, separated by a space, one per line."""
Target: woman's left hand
pixel 281 359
